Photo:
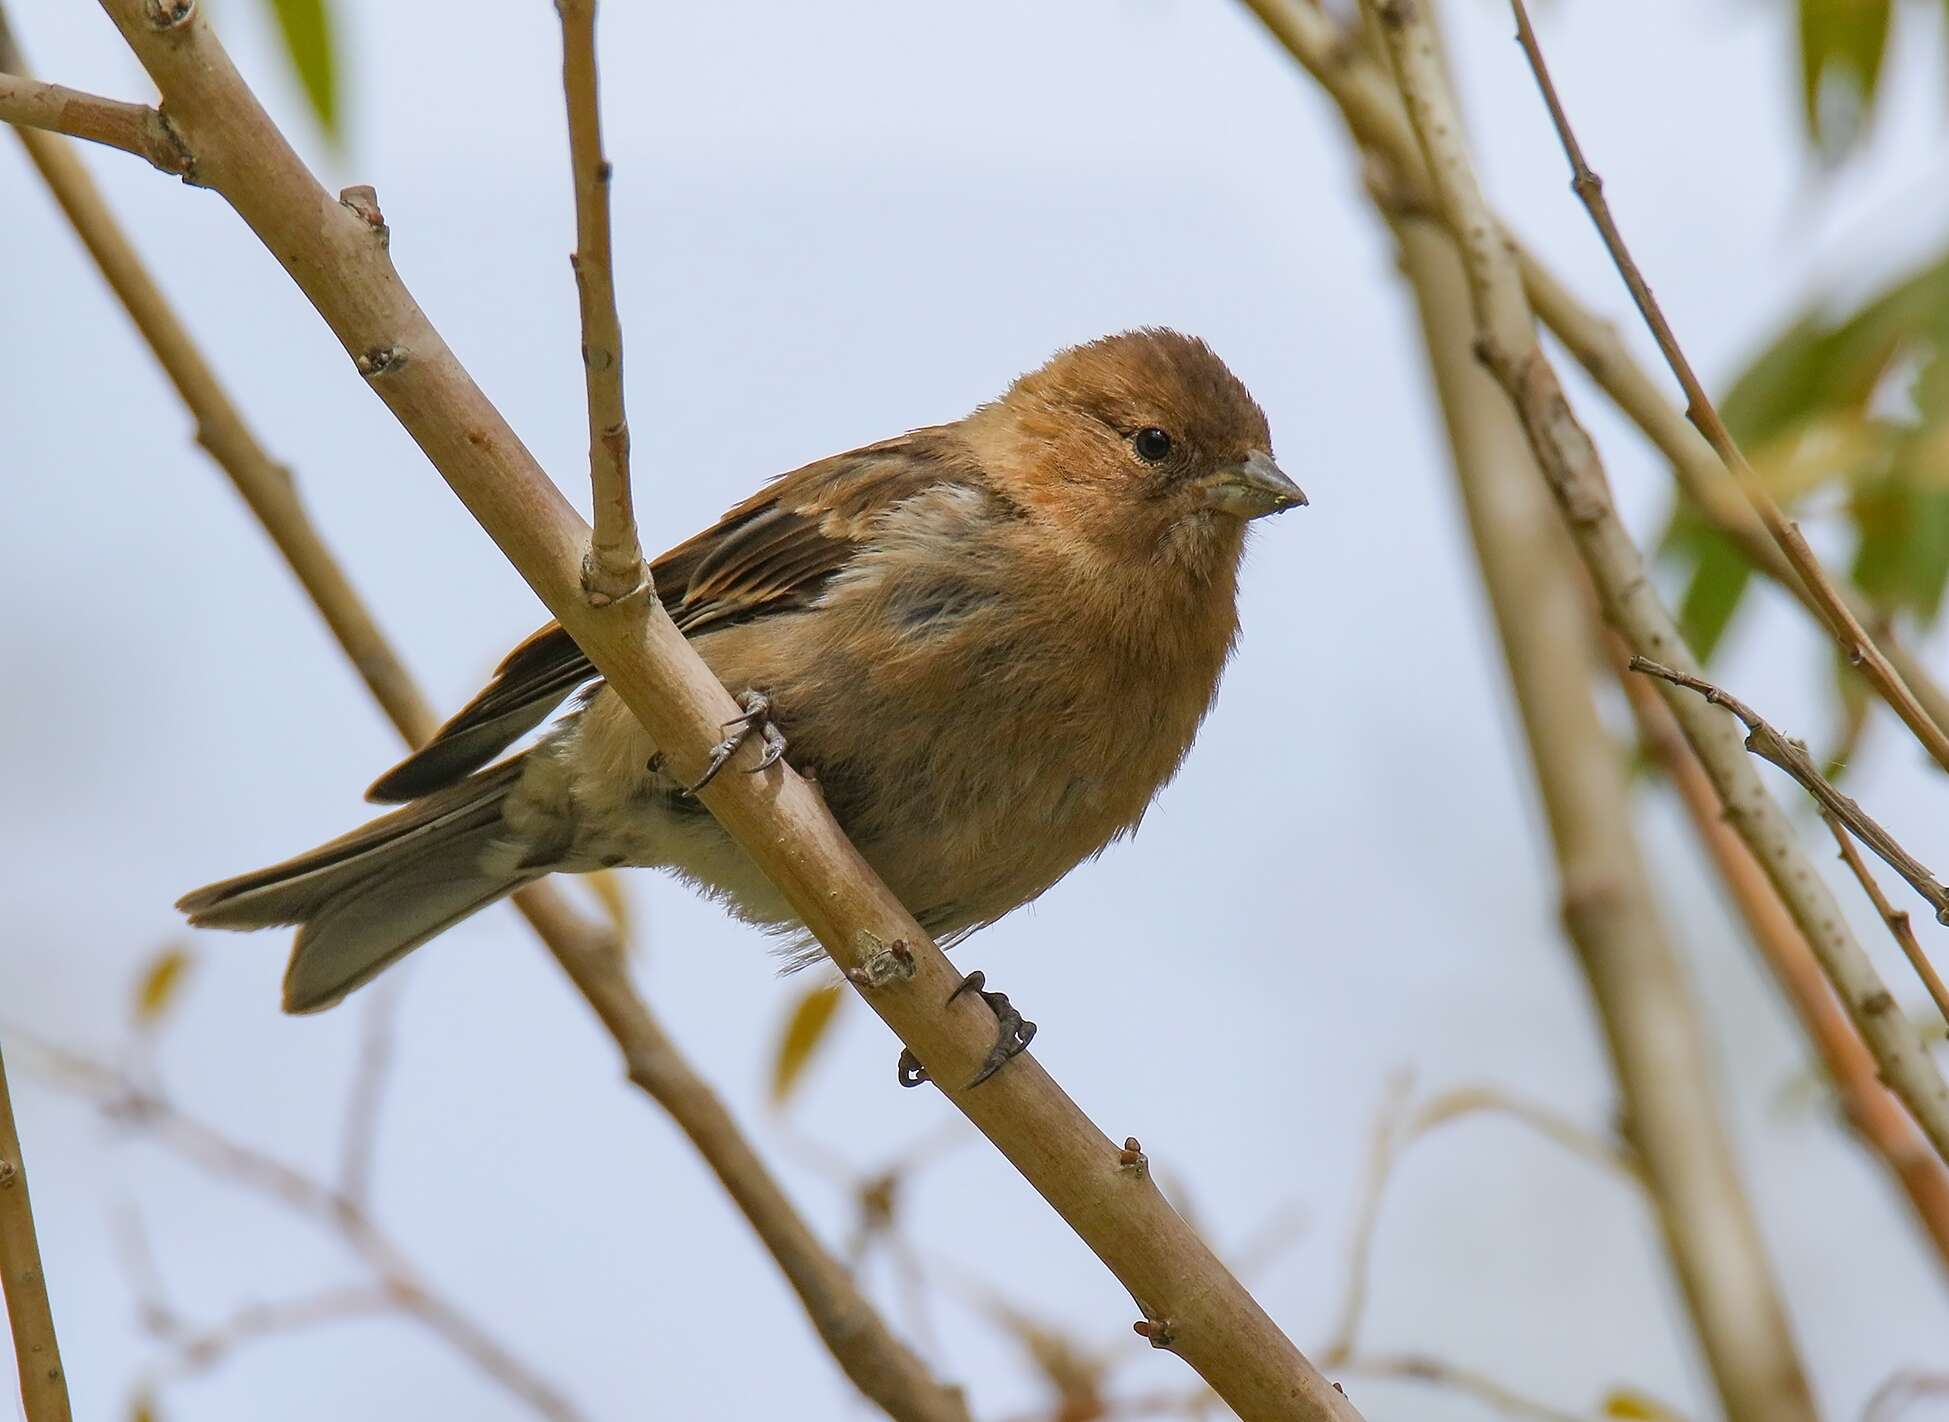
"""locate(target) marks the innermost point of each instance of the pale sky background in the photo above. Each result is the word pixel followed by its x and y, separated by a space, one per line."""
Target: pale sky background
pixel 834 222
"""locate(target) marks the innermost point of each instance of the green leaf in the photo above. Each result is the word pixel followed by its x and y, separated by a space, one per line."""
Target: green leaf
pixel 804 1030
pixel 1842 43
pixel 1902 559
pixel 307 30
pixel 1717 582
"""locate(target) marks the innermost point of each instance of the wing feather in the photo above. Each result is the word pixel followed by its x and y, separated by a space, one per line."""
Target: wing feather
pixel 774 553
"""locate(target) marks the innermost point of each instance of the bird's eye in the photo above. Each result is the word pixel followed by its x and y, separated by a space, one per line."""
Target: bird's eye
pixel 1151 444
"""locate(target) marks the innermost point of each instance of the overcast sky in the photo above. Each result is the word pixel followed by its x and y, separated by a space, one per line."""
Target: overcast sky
pixel 835 222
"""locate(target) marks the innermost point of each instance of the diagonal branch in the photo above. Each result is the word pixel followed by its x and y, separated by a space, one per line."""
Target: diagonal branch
pixel 851 1329
pixel 23 1282
pixel 1373 114
pixel 1899 926
pixel 613 568
pixel 1507 345
pixel 1192 1303
pixel 1764 740
pixel 1856 645
pixel 1878 1119
pixel 1659 1057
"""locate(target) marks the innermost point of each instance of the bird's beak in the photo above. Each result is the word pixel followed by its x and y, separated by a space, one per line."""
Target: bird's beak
pixel 1253 489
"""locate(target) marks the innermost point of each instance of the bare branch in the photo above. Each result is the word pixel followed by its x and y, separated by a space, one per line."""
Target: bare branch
pixel 1437 1373
pixel 1507 345
pixel 1374 117
pixel 23 1281
pixel 847 1323
pixel 1897 920
pixel 1765 741
pixel 613 567
pixel 1192 1304
pixel 1652 1029
pixel 133 128
pixel 1879 1120
pixel 1853 639
pixel 397 1285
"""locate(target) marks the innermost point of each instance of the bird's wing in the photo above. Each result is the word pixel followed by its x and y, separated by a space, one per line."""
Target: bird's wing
pixel 773 553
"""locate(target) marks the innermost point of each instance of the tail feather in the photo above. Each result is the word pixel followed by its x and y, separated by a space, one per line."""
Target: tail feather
pixel 369 897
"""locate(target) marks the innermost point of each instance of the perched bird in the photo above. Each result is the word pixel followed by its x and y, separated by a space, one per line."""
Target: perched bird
pixel 992 641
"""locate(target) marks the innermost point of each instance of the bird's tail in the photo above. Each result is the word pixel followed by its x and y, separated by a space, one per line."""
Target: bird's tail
pixel 369 897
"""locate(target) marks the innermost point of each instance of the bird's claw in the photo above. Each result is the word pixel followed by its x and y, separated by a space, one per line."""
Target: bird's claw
pixel 756 716
pixel 1013 1038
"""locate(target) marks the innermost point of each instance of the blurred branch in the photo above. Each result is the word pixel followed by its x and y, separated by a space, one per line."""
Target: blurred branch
pixel 1894 1398
pixel 1855 643
pixel 1660 1062
pixel 1421 1367
pixel 333 252
pixel 1765 741
pixel 1507 344
pixel 23 1281
pixel 1372 111
pixel 1879 1121
pixel 396 1286
pixel 1899 926
pixel 847 1323
pixel 613 567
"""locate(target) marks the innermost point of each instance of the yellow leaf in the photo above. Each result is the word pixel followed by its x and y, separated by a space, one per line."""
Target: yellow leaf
pixel 1630 1403
pixel 804 1030
pixel 607 886
pixel 159 984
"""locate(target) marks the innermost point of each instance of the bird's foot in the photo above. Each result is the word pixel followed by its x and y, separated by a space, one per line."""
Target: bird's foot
pixel 756 718
pixel 1016 1032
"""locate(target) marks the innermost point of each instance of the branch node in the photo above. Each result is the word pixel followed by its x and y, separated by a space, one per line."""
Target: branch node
pixel 363 200
pixel 1132 1157
pixel 1156 1331
pixel 380 360
pixel 164 15
pixel 881 963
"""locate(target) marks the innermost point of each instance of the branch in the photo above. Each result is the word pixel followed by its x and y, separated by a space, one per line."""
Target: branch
pixel 397 1285
pixel 1765 741
pixel 1878 1119
pixel 133 128
pixel 1374 116
pixel 859 1339
pixel 1855 643
pixel 1192 1304
pixel 1897 920
pixel 23 1282
pixel 1507 344
pixel 1660 1061
pixel 613 567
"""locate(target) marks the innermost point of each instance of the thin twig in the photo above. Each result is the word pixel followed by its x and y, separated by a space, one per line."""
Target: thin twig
pixel 1853 638
pixel 1899 926
pixel 1878 1119
pixel 1193 1304
pixel 1645 1005
pixel 1438 1373
pixel 23 1281
pixel 859 1339
pixel 1894 1397
pixel 1765 741
pixel 1570 464
pixel 54 108
pixel 225 1158
pixel 1375 119
pixel 613 567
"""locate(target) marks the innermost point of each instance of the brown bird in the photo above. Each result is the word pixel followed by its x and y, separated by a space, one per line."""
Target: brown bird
pixel 991 640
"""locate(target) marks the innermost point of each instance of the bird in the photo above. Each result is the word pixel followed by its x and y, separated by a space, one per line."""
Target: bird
pixel 991 641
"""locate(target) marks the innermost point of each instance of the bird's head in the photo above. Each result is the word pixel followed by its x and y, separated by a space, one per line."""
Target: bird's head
pixel 1142 443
